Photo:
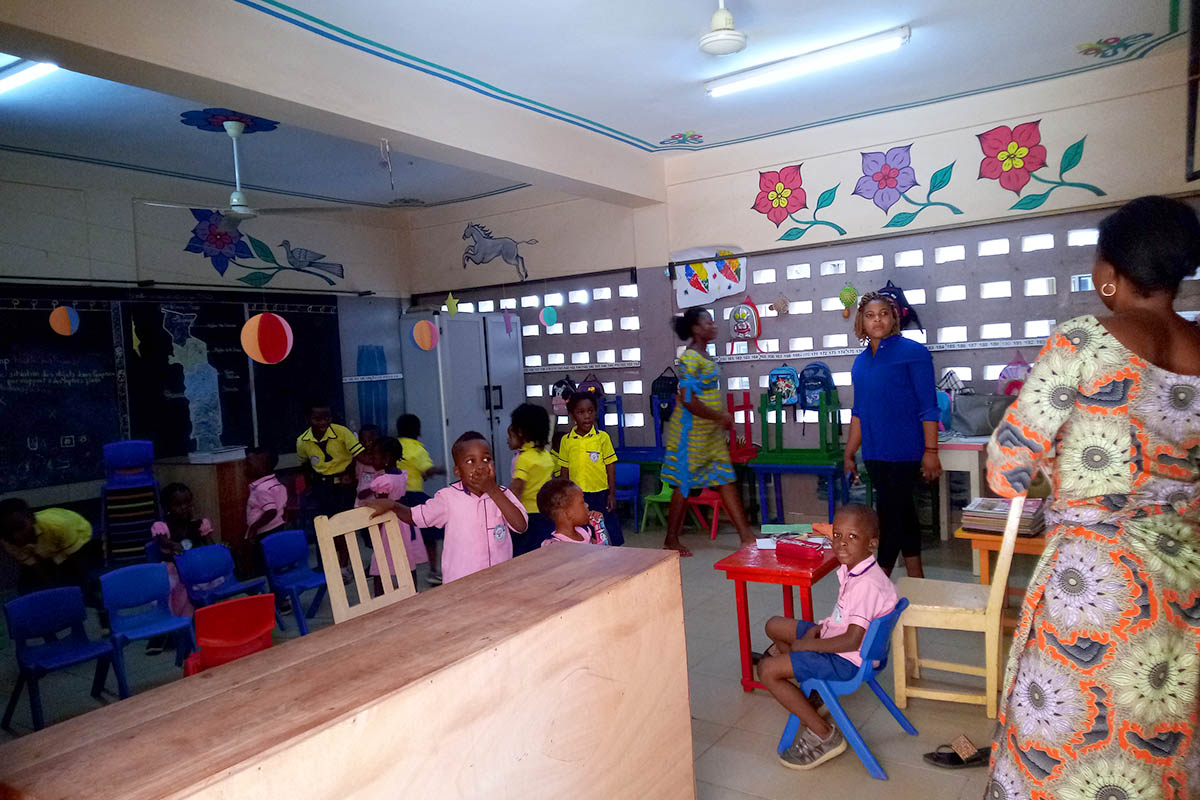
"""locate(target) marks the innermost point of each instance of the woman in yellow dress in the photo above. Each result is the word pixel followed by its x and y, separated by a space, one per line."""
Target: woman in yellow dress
pixel 697 451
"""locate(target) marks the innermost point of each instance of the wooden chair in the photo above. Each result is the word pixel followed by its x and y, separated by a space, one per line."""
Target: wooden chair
pixel 950 605
pixel 347 525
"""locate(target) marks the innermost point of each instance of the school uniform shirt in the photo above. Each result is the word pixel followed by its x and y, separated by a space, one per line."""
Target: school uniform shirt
pixel 60 534
pixel 266 494
pixel 894 393
pixel 416 462
pixel 535 466
pixel 587 458
pixel 332 453
pixel 477 536
pixel 864 594
pixel 393 487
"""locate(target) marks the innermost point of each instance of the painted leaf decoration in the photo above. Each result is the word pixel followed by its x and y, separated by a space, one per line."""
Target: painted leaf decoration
pixel 792 234
pixel 1071 157
pixel 901 219
pixel 262 251
pixel 941 178
pixel 1030 201
pixel 257 278
pixel 827 197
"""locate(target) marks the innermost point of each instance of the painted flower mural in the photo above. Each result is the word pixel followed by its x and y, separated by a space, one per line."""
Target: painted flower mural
pixel 217 238
pixel 212 119
pixel 687 137
pixel 781 194
pixel 1111 46
pixel 1013 156
pixel 887 178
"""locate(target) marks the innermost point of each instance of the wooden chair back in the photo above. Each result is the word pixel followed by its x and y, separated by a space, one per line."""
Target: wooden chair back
pixel 1004 559
pixel 346 526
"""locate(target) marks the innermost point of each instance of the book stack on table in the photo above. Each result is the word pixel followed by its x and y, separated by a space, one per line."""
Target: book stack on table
pixel 988 514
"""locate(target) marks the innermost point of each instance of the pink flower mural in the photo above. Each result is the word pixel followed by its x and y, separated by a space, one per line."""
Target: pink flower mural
pixel 781 194
pixel 1013 157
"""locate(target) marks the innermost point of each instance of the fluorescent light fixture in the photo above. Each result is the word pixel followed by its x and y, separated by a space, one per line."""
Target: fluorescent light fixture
pixel 22 73
pixel 813 61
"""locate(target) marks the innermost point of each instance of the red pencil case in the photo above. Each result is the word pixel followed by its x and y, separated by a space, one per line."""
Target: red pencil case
pixel 798 551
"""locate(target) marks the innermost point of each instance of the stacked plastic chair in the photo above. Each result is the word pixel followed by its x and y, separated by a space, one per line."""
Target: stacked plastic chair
pixel 129 502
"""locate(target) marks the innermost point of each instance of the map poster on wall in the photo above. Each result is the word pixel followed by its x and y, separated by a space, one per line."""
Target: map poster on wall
pixel 189 379
pixel 704 274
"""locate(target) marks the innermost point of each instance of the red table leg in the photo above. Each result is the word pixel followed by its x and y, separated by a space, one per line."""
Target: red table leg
pixel 806 602
pixel 743 619
pixel 789 606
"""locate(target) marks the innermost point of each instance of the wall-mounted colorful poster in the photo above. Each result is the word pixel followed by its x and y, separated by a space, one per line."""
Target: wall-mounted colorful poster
pixel 704 274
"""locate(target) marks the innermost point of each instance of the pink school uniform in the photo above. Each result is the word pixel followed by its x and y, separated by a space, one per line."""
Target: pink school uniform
pixel 266 494
pixel 864 594
pixel 476 534
pixel 177 597
pixel 589 537
pixel 393 487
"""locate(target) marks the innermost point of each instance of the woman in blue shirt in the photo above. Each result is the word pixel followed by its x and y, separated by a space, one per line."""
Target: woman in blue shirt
pixel 895 419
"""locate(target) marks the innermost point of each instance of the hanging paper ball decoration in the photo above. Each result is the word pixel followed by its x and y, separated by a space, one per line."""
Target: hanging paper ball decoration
pixel 848 296
pixel 64 320
pixel 425 334
pixel 267 338
pixel 548 316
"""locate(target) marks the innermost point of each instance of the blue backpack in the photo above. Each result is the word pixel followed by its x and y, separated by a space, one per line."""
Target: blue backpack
pixel 783 384
pixel 815 379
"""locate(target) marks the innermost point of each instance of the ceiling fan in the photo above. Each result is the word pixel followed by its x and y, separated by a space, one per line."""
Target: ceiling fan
pixel 239 209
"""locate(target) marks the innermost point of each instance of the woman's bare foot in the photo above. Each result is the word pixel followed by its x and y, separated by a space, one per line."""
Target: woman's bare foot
pixel 677 546
pixel 748 538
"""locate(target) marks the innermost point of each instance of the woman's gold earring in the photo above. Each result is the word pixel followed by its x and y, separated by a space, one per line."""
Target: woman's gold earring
pixel 1108 289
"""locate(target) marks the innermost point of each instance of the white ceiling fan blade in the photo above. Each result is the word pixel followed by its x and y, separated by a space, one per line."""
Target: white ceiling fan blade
pixel 301 210
pixel 170 205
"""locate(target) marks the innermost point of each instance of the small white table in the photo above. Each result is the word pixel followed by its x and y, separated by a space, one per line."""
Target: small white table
pixel 960 454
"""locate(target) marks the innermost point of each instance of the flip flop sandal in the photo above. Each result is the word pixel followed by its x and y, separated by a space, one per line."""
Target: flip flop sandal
pixel 757 657
pixel 946 758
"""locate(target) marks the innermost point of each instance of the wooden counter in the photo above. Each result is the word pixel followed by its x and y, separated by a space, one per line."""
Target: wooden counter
pixel 562 673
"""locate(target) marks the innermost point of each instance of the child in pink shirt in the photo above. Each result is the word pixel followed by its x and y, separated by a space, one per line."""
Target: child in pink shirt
pixel 267 502
pixel 828 649
pixel 390 483
pixel 477 513
pixel 179 531
pixel 365 470
pixel 563 503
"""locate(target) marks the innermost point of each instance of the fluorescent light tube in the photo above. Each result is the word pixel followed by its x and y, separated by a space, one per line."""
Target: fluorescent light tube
pixel 814 61
pixel 34 70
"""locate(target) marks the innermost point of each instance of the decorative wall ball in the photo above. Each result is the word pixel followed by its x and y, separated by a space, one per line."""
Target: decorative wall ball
pixel 425 334
pixel 267 338
pixel 64 320
pixel 548 316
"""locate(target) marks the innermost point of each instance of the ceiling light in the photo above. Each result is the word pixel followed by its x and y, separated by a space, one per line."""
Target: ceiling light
pixel 22 72
pixel 722 39
pixel 813 61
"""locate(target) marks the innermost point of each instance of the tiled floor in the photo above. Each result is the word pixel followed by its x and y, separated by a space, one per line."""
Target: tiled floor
pixel 734 734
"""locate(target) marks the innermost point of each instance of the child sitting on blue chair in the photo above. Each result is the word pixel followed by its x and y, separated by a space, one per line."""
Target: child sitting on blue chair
pixel 828 649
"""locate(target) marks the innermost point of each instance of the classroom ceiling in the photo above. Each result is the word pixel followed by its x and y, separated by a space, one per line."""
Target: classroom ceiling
pixel 83 118
pixel 632 69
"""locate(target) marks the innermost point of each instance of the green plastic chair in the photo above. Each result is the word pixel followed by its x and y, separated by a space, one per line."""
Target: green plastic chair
pixel 655 502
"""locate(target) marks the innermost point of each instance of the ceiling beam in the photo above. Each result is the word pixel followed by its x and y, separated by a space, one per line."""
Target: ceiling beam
pixel 226 54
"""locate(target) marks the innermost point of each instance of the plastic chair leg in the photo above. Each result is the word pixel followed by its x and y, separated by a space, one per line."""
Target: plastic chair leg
pixel 35 703
pixel 890 705
pixel 101 677
pixel 316 603
pixel 716 520
pixel 789 733
pixel 183 646
pixel 12 701
pixel 119 667
pixel 279 621
pixel 645 512
pixel 298 611
pixel 854 737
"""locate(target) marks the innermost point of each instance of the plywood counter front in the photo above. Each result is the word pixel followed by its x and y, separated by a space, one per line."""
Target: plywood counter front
pixel 562 673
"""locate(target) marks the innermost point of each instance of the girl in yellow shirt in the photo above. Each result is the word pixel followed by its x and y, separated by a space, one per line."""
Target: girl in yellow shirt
pixel 529 435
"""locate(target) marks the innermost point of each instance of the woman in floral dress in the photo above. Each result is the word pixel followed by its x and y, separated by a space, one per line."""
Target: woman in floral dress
pixel 697 449
pixel 1100 694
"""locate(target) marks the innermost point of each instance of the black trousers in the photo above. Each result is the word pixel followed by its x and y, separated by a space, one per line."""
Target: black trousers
pixel 895 484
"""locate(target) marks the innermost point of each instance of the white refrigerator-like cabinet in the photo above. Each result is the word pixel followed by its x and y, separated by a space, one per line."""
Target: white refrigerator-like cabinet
pixel 471 380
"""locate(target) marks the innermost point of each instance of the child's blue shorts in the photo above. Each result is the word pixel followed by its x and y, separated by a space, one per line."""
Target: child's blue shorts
pixel 822 666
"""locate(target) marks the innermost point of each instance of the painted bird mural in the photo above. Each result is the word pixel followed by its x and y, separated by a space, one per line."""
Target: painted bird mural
pixel 303 258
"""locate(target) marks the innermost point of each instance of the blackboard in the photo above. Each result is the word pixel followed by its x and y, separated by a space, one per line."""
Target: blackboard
pixel 60 396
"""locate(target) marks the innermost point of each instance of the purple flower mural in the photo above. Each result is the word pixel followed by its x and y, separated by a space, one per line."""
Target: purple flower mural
pixel 886 176
pixel 212 119
pixel 216 239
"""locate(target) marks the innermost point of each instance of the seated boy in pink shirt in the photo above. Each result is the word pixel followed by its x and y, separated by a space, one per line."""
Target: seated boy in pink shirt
pixel 562 502
pixel 267 502
pixel 477 513
pixel 828 649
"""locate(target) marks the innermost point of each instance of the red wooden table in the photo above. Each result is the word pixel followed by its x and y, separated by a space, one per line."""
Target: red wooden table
pixel 761 566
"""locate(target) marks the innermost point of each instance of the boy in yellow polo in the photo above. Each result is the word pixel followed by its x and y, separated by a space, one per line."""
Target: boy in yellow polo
pixel 329 450
pixel 586 457
pixel 53 547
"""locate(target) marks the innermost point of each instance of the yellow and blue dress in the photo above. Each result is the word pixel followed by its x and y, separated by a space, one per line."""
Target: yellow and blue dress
pixel 697 449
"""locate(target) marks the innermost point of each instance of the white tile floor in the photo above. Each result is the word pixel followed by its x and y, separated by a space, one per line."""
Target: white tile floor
pixel 734 734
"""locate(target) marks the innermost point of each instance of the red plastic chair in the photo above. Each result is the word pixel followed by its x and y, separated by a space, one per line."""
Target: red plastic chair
pixel 231 629
pixel 708 498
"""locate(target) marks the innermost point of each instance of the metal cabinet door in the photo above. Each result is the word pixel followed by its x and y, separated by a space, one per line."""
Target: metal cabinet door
pixel 464 376
pixel 506 378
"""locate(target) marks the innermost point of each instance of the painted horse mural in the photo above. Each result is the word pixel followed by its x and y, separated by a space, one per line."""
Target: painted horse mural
pixel 487 248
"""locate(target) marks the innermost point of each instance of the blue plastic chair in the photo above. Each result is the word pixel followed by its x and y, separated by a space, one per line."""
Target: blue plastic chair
pixel 128 464
pixel 136 599
pixel 285 555
pixel 207 573
pixel 44 615
pixel 628 478
pixel 875 649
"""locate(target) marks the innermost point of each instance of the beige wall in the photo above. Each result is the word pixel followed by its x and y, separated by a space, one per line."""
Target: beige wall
pixel 69 220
